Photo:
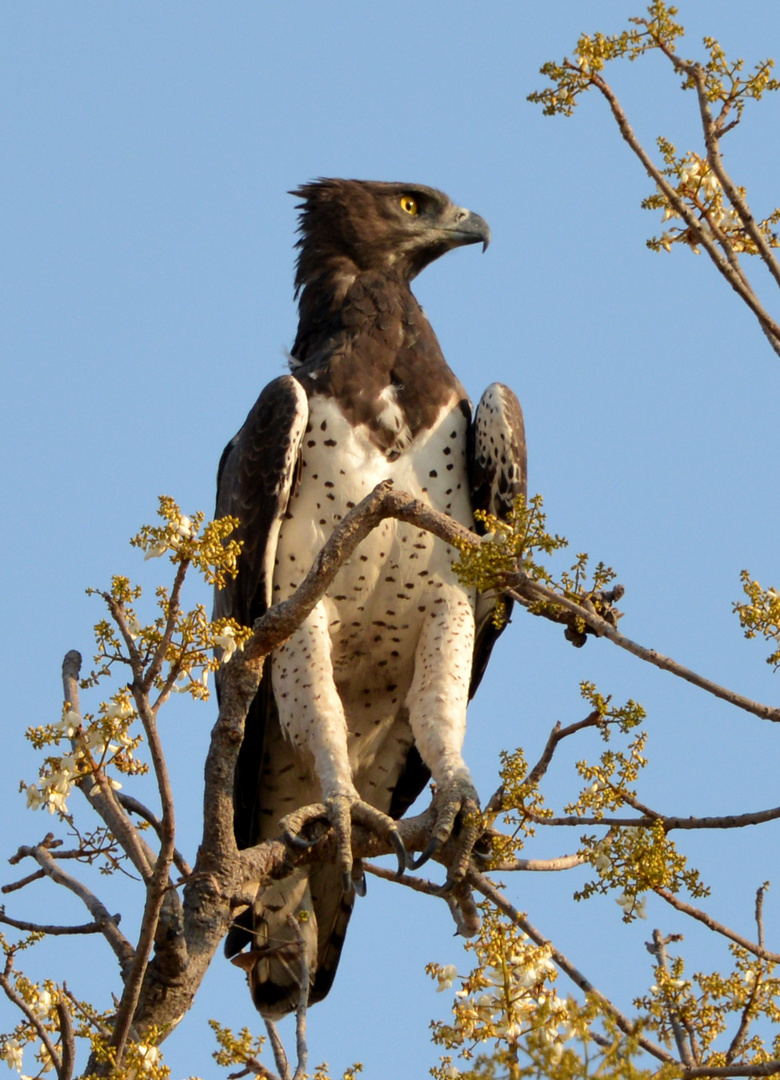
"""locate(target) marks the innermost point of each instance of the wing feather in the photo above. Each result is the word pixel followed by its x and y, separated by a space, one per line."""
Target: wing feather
pixel 257 476
pixel 499 473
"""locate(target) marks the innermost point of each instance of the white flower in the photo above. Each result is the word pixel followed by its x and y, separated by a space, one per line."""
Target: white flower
pixel 640 907
pixel 624 901
pixel 148 1055
pixel 68 724
pixel 119 710
pixel 184 529
pixel 445 977
pixel 227 642
pixel 13 1053
pixel 57 801
pixel 601 862
pixel 43 1003
pixel 134 627
pixel 34 797
pixel 156 550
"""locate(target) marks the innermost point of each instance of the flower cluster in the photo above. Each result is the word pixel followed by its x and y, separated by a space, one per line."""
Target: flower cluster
pixel 506 997
pixel 760 614
pixel 96 744
pixel 698 189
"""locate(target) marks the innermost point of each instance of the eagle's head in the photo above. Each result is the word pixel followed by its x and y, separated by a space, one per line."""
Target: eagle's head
pixel 399 228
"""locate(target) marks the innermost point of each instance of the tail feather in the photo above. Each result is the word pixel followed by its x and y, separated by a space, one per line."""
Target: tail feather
pixel 314 898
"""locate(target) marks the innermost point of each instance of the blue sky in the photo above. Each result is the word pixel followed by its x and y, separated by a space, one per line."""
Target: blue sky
pixel 147 299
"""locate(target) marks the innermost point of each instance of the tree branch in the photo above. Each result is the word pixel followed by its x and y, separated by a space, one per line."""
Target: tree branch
pixel 103 802
pixel 40 928
pixel 483 885
pixel 527 591
pixel 121 947
pixel 745 292
pixel 716 927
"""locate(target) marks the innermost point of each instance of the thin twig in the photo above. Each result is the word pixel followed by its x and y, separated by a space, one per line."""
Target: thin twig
pixel 103 802
pixel 770 327
pixel 280 1057
pixel 133 806
pixel 658 949
pixel 729 821
pixel 760 894
pixel 301 1049
pixel 715 159
pixel 40 928
pixel 31 1018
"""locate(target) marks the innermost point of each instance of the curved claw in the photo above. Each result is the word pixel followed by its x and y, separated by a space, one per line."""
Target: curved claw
pixel 400 851
pixel 298 841
pixel 431 848
pixel 457 819
pixel 358 879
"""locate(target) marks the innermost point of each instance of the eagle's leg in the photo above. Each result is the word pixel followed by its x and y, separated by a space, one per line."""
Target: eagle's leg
pixel 437 701
pixel 341 812
pixel 312 716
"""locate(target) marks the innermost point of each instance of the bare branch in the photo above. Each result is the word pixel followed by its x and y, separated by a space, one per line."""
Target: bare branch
pixel 280 1057
pixel 122 948
pixel 67 1041
pixel 557 734
pixel 760 894
pixel 563 862
pixel 716 927
pixel 301 1049
pixel 527 591
pixel 40 928
pixel 22 881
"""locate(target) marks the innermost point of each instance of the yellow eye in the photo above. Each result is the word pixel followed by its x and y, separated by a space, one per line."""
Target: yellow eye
pixel 408 204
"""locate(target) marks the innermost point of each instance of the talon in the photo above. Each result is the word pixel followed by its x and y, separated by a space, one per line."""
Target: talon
pixel 358 879
pixel 432 847
pixel 400 851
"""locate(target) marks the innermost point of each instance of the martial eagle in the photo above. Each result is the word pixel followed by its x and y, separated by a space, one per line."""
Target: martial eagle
pixel 367 700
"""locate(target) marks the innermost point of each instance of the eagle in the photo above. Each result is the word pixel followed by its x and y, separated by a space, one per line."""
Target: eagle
pixel 366 702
